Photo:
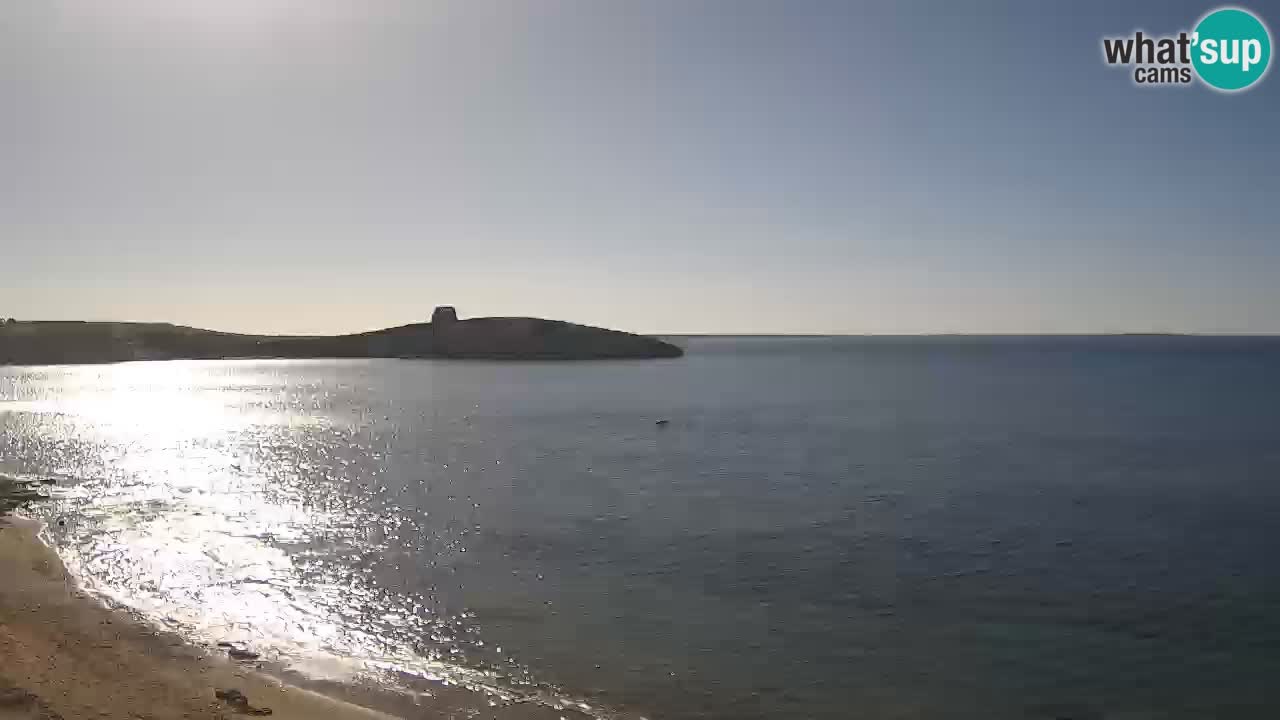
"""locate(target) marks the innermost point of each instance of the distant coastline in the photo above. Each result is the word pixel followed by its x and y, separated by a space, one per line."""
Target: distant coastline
pixel 946 335
pixel 493 338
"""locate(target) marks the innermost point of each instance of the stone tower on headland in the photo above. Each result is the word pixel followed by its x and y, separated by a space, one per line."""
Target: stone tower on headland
pixel 444 315
pixel 443 319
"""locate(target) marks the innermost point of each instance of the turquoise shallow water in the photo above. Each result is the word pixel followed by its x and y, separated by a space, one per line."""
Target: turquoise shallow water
pixel 826 528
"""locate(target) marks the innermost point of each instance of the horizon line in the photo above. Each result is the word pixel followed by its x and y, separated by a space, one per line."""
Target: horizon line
pixel 1121 333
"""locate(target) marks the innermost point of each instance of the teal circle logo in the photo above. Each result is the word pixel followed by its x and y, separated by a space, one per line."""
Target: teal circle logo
pixel 1231 49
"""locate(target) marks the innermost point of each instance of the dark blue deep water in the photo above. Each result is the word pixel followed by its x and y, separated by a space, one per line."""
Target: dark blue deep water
pixel 827 528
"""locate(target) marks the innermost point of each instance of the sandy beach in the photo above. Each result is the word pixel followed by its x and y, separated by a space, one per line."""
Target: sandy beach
pixel 65 655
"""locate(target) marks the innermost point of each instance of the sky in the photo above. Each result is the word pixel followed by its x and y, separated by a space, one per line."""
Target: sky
pixel 659 166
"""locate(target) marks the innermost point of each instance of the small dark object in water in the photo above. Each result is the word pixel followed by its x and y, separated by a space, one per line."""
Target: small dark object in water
pixel 61 523
pixel 238 654
pixel 663 423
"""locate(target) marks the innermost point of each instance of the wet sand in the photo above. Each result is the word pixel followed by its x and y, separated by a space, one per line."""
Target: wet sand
pixel 64 655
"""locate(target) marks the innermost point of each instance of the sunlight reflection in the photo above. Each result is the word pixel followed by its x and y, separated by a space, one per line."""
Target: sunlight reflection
pixel 238 502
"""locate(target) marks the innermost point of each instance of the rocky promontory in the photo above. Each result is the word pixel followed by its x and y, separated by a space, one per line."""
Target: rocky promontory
pixel 445 336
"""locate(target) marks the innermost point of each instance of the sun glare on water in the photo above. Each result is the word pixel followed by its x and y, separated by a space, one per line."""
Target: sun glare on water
pixel 175 508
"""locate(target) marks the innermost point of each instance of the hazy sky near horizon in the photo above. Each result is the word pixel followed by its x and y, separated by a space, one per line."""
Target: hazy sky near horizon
pixel 656 166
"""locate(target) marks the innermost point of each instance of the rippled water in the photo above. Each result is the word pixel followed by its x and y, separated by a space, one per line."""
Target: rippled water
pixel 879 528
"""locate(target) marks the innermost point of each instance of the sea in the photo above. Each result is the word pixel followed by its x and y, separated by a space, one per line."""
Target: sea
pixel 769 527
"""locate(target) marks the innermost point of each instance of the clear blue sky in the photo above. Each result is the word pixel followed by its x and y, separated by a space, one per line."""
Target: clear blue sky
pixel 657 166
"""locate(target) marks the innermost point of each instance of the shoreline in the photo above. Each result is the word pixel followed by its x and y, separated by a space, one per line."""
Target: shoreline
pixel 65 656
pixel 62 655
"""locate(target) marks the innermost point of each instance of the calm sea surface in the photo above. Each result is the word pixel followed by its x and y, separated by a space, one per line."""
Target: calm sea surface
pixel 826 528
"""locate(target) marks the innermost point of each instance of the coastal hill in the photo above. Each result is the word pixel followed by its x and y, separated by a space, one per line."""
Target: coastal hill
pixel 494 338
